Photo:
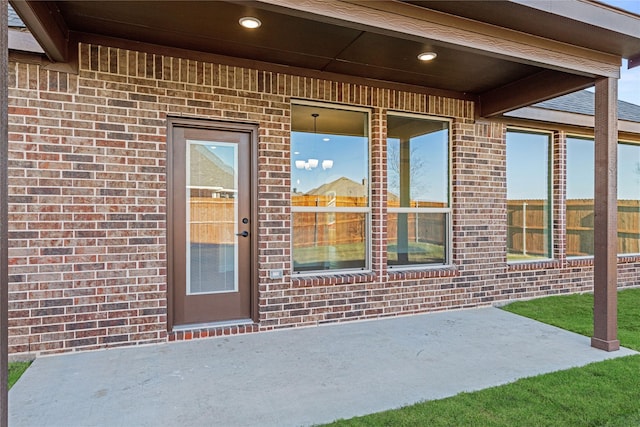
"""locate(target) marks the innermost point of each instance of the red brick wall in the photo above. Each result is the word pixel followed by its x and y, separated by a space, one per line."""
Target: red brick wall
pixel 87 203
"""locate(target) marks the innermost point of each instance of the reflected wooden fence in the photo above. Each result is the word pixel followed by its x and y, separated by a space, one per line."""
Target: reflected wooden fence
pixel 328 228
pixel 212 221
pixel 526 231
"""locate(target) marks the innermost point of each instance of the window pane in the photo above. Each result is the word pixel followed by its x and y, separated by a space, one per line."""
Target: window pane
pixel 329 169
pixel 416 238
pixel 528 196
pixel 580 182
pixel 417 162
pixel 329 157
pixel 417 177
pixel 329 241
pixel 628 199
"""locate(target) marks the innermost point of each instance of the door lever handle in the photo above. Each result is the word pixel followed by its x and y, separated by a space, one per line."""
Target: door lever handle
pixel 245 233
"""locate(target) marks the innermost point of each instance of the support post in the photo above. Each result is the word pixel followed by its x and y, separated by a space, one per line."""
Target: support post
pixel 4 217
pixel 605 275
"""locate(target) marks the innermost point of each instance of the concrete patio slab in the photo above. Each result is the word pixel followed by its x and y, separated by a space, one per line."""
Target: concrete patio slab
pixel 294 377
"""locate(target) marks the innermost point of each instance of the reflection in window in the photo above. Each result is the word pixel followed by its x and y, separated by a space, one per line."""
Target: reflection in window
pixel 418 191
pixel 329 240
pixel 628 198
pixel 580 183
pixel 212 213
pixel 329 188
pixel 528 195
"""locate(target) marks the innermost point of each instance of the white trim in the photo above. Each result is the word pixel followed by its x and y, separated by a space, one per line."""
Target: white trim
pixel 550 193
pixel 339 209
pixel 448 211
pixel 325 209
pixel 419 210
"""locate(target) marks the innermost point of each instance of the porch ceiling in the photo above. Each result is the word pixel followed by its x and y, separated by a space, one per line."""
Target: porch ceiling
pixel 487 51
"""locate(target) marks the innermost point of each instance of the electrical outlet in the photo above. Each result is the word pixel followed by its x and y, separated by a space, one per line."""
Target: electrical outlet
pixel 275 274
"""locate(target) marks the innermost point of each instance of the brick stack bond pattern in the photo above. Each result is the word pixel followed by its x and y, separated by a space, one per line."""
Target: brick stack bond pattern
pixel 88 209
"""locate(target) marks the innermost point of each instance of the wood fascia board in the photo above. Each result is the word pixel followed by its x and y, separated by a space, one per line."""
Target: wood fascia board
pixel 415 23
pixel 261 66
pixel 47 26
pixel 539 114
pixel 596 14
pixel 539 87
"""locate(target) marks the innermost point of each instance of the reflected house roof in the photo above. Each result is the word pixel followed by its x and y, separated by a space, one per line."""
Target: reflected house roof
pixel 342 186
pixel 207 170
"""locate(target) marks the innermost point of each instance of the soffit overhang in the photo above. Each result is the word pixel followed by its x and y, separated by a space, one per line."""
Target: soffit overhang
pixel 501 65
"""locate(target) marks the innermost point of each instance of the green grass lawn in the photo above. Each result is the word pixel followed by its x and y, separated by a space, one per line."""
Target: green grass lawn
pixel 600 394
pixel 16 369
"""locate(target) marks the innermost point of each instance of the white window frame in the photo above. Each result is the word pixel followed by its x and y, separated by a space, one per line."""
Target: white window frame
pixel 448 253
pixel 550 194
pixel 575 135
pixel 335 209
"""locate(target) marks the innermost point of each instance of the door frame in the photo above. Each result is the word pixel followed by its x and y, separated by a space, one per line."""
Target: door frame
pixel 172 250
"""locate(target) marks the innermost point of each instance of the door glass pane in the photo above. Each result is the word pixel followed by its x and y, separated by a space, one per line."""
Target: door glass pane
pixel 212 217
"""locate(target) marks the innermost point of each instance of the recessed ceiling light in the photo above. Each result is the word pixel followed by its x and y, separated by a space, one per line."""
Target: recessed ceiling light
pixel 427 56
pixel 250 22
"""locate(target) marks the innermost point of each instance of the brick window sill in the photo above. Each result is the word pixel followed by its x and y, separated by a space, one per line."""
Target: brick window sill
pixel 337 278
pixel 534 265
pixel 423 273
pixel 580 262
pixel 628 259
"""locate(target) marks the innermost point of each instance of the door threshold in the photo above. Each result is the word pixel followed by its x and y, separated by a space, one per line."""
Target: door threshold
pixel 212 325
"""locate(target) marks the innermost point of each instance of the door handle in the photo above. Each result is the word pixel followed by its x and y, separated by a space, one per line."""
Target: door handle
pixel 245 233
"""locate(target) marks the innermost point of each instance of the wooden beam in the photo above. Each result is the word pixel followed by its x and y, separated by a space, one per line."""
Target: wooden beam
pixel 536 88
pixel 634 61
pixel 47 25
pixel 571 120
pixel 605 239
pixel 403 20
pixel 4 215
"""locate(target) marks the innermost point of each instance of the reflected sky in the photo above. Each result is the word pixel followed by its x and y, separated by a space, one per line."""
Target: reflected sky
pixel 428 170
pixel 527 166
pixel 350 156
pixel 527 152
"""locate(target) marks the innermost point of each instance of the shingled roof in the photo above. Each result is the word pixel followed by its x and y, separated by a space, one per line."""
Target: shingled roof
pixel 14 19
pixel 583 102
